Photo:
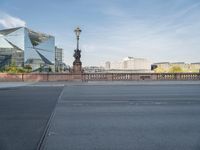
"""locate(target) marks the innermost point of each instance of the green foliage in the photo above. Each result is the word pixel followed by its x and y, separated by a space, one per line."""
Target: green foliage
pixel 14 69
pixel 160 70
pixel 50 69
pixel 28 68
pixel 175 69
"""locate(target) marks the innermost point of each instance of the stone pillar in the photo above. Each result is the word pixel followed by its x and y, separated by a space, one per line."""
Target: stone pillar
pixel 77 67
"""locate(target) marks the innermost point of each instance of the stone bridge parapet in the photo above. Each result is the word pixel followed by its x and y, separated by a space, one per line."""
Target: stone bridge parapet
pixel 97 76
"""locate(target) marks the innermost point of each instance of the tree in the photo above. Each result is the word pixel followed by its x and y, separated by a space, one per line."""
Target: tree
pixel 160 70
pixel 28 68
pixel 15 69
pixel 175 69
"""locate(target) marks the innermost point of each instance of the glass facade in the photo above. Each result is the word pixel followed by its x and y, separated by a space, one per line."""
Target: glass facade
pixel 23 46
pixel 59 66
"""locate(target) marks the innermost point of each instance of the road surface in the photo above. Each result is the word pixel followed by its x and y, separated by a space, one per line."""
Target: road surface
pixel 100 116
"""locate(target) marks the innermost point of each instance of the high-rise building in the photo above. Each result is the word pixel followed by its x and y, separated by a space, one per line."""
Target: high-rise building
pixel 24 46
pixel 59 59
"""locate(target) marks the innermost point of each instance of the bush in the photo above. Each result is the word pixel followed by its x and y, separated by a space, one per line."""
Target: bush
pixel 160 70
pixel 14 69
pixel 28 68
pixel 175 69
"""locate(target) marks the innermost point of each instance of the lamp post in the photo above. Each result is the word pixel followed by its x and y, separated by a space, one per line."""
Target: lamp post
pixel 77 64
pixel 77 32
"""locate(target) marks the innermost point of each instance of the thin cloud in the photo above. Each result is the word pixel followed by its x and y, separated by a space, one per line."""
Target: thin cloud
pixel 8 21
pixel 114 12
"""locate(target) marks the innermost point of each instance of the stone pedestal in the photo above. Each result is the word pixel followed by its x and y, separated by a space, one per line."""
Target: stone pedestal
pixel 77 67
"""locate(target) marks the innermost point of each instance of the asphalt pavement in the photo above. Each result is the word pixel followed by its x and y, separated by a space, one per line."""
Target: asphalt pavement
pixel 126 117
pixel 100 116
pixel 24 114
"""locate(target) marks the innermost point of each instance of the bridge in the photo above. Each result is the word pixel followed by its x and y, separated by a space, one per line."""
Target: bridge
pixel 98 76
pixel 140 76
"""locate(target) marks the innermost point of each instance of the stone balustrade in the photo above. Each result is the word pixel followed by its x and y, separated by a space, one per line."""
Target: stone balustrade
pixel 140 76
pixel 98 76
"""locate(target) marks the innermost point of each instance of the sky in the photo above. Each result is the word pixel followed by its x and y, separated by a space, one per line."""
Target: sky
pixel 159 30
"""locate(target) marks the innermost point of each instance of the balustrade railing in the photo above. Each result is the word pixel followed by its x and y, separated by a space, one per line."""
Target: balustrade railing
pixel 98 76
pixel 139 76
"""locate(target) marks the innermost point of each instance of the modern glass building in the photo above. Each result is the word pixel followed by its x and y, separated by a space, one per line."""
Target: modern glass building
pixel 23 46
pixel 59 65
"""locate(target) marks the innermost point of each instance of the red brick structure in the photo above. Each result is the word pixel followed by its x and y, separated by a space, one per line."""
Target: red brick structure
pixel 35 77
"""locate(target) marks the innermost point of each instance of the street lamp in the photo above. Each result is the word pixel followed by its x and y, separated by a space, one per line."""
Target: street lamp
pixel 77 32
pixel 77 64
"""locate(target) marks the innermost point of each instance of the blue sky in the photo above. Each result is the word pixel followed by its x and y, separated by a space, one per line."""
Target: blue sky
pixel 159 30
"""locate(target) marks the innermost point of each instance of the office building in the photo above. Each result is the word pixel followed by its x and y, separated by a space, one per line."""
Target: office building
pixel 185 67
pixel 130 63
pixel 59 65
pixel 23 46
